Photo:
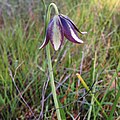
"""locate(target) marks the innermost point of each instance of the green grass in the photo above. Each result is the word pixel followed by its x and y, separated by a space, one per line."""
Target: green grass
pixel 20 39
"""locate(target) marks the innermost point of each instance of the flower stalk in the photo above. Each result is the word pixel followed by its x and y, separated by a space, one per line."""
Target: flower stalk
pixel 53 88
pixel 56 29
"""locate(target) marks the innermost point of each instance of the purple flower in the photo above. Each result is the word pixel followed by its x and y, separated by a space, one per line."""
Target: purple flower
pixel 58 27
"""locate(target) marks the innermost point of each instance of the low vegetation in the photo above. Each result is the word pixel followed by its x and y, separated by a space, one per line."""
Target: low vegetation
pixel 25 92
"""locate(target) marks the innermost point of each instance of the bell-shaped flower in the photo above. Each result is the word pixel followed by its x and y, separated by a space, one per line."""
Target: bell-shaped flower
pixel 58 27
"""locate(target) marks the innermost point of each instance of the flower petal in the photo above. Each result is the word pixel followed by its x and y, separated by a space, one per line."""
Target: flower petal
pixel 69 31
pixel 56 33
pixel 47 37
pixel 68 19
pixel 46 40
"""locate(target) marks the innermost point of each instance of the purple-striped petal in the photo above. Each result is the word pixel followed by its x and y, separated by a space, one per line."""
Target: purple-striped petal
pixel 68 19
pixel 46 40
pixel 56 33
pixel 47 37
pixel 69 31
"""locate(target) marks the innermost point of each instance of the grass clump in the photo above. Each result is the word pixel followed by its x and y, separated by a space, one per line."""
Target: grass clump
pixel 21 34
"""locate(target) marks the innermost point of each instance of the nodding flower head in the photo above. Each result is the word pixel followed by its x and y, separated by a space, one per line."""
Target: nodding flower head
pixel 58 27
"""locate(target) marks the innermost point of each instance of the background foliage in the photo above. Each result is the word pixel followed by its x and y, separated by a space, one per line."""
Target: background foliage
pixel 24 65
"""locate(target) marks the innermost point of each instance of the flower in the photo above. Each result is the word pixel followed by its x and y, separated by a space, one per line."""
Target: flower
pixel 58 27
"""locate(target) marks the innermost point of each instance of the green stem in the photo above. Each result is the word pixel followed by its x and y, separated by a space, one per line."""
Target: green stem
pixel 50 63
pixel 49 11
pixel 52 82
pixel 55 7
